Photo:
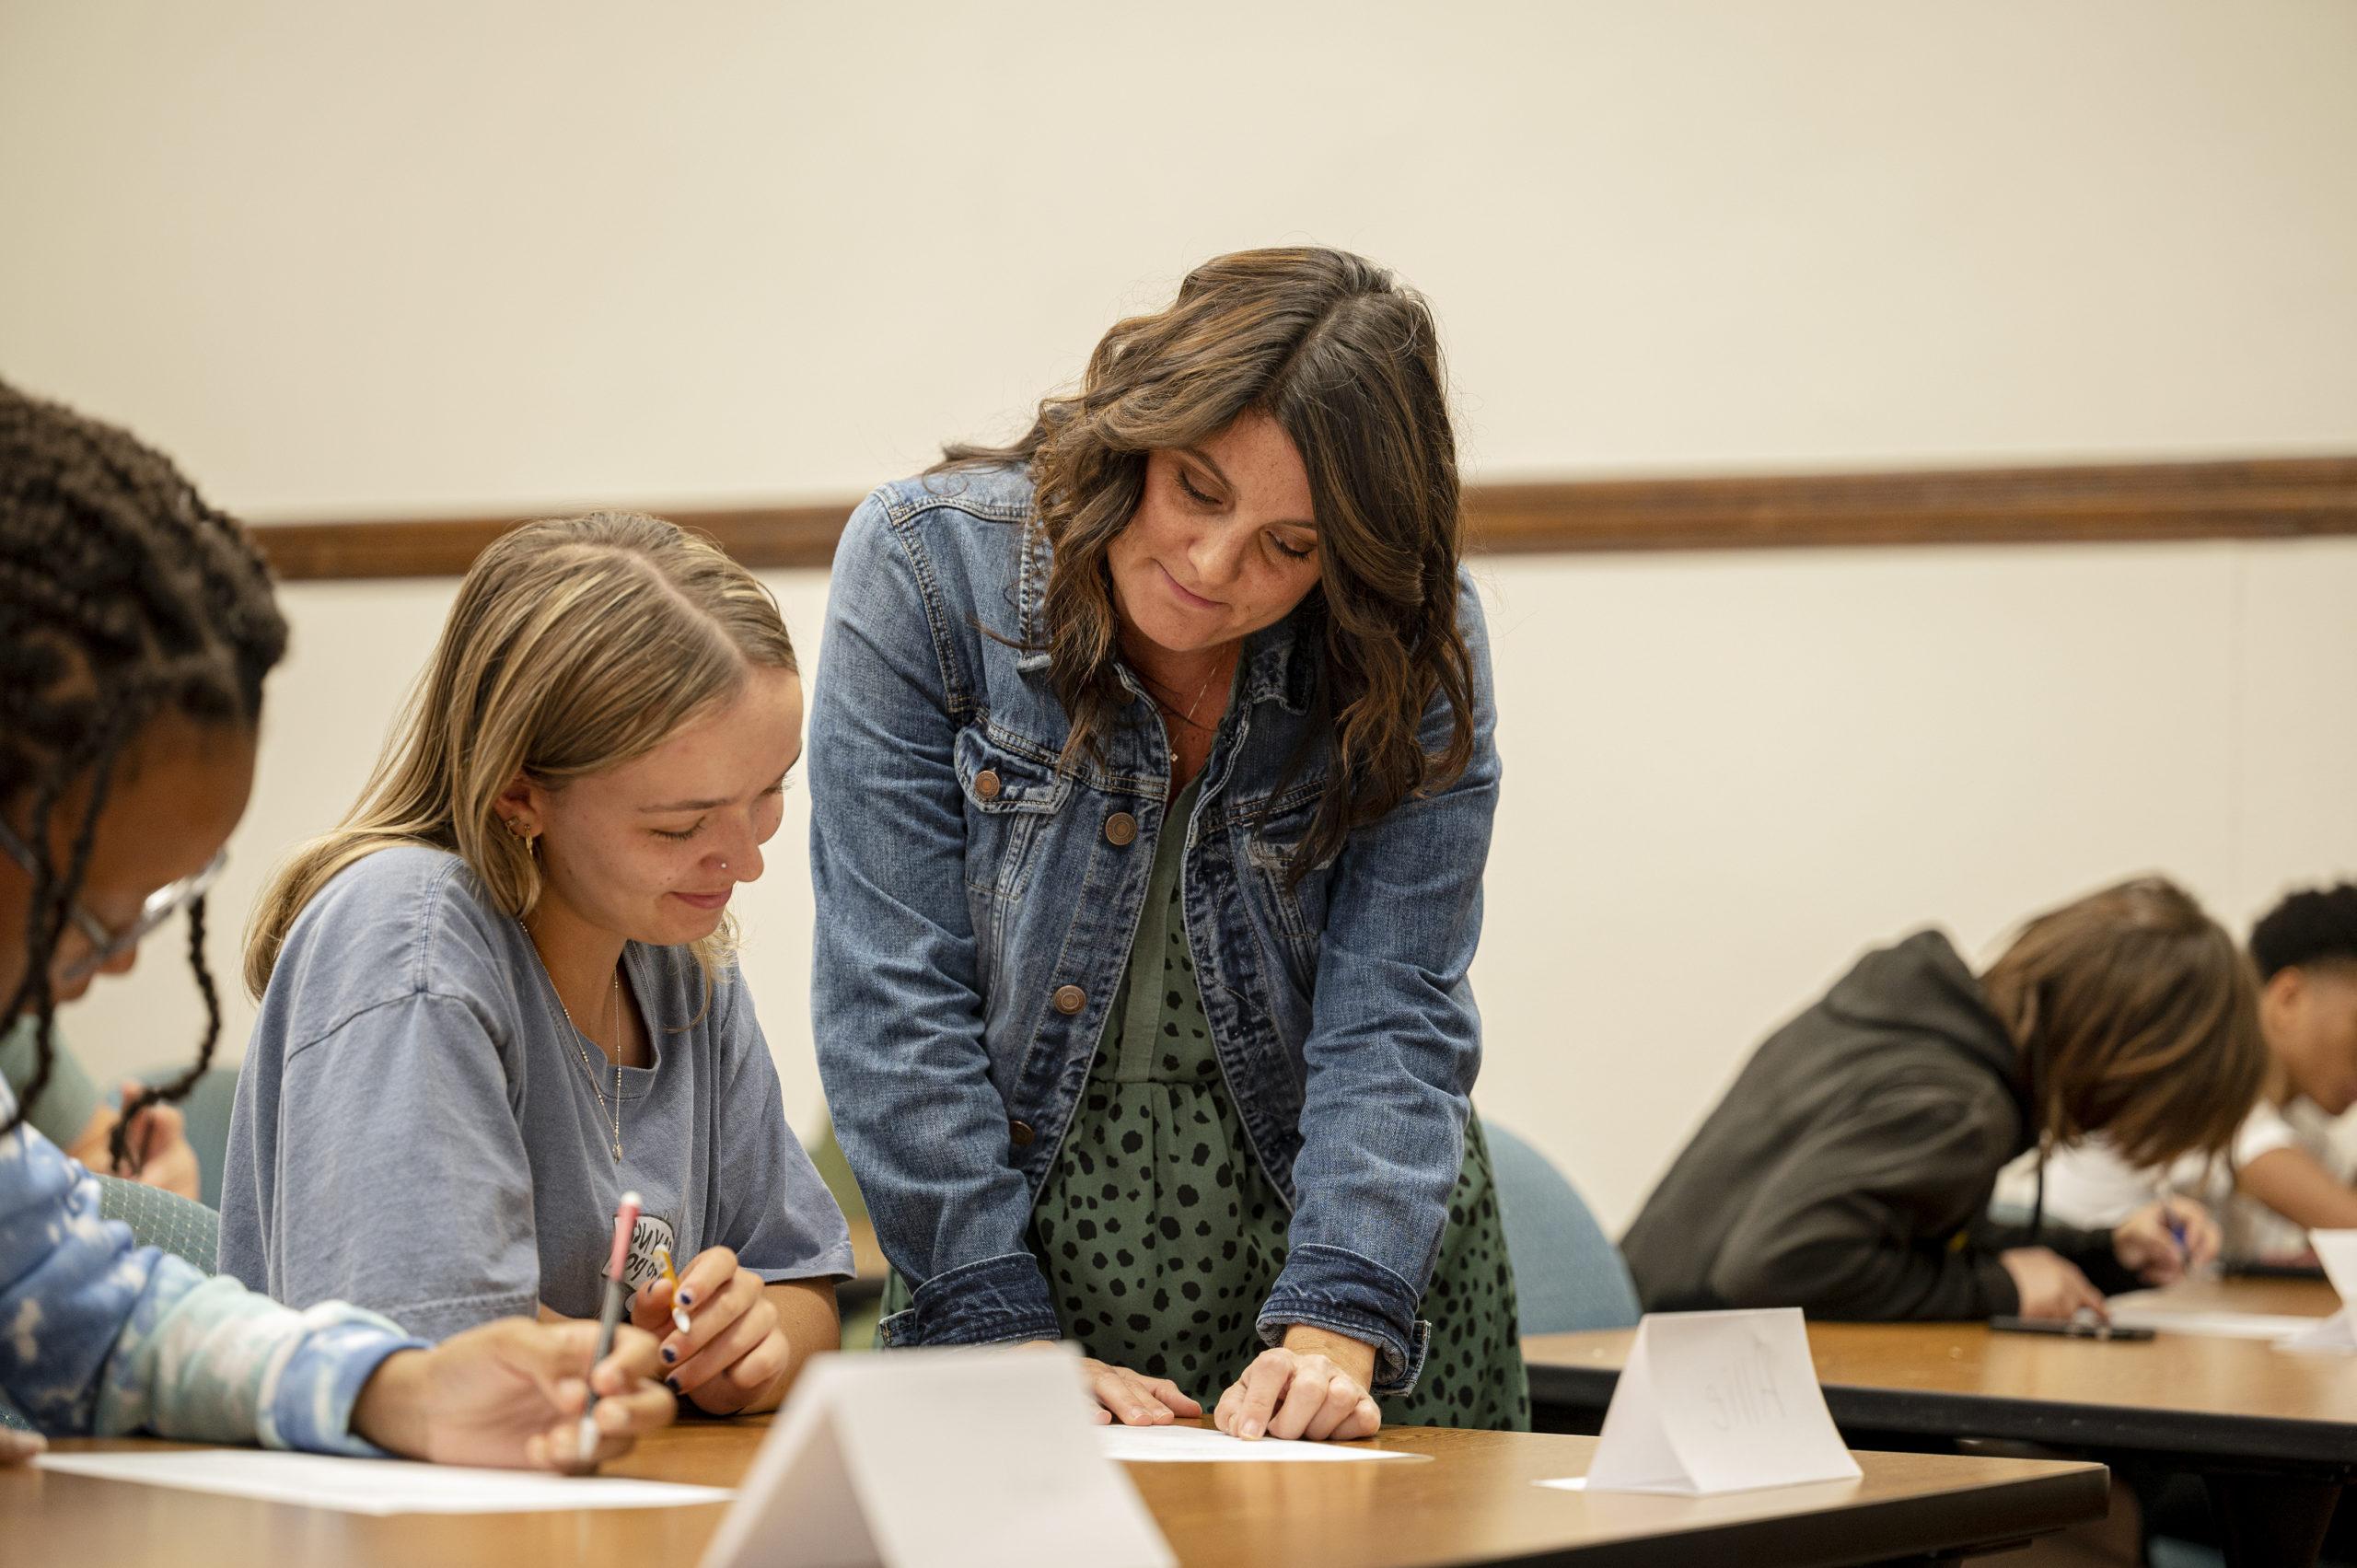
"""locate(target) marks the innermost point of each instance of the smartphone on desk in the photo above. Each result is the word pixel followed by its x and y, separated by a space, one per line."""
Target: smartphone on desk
pixel 2072 1328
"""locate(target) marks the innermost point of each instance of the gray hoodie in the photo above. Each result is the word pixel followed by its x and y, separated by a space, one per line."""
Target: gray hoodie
pixel 1849 1169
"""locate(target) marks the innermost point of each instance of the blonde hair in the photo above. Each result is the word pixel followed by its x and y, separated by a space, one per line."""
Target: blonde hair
pixel 575 645
pixel 2138 1016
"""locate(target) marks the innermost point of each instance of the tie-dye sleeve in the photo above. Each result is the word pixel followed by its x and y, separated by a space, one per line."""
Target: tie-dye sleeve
pixel 99 1336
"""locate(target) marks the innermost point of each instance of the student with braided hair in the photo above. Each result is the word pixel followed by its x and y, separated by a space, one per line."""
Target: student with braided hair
pixel 136 626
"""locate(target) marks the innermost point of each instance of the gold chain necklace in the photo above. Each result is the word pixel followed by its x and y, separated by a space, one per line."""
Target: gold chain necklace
pixel 1187 718
pixel 595 1087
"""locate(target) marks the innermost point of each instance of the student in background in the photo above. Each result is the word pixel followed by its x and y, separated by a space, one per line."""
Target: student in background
pixel 135 629
pixel 1848 1169
pixel 71 1114
pixel 1151 795
pixel 2278 1184
pixel 504 991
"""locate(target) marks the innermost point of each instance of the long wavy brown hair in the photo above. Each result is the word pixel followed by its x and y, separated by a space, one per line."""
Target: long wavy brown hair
pixel 1347 361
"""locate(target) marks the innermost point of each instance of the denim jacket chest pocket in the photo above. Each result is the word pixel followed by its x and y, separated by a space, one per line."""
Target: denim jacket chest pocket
pixel 1009 796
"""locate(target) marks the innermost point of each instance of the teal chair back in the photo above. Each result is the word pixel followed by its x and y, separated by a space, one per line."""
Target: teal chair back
pixel 1568 1276
pixel 12 1419
pixel 163 1219
pixel 207 1109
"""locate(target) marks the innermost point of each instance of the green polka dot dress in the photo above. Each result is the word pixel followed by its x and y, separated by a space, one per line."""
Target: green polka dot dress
pixel 1161 1237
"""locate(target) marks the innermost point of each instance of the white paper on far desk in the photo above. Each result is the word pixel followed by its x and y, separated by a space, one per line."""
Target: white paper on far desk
pixel 377 1486
pixel 2126 1313
pixel 1148 1444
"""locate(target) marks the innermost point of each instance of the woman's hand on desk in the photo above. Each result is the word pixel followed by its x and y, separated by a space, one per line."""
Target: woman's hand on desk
pixel 2161 1241
pixel 19 1447
pixel 1314 1386
pixel 2050 1284
pixel 510 1394
pixel 1133 1399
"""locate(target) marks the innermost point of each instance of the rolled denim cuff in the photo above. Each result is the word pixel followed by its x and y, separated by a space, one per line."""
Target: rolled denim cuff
pixel 1329 1287
pixel 989 1302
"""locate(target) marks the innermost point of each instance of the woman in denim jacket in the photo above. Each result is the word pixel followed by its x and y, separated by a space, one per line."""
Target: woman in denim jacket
pixel 1152 776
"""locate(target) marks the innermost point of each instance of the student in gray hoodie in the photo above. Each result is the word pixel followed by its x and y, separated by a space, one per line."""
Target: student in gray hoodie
pixel 1848 1170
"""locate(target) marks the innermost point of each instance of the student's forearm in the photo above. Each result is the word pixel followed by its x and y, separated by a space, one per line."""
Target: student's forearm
pixel 2297 1185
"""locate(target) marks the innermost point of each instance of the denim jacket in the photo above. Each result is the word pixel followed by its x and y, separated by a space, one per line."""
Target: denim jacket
pixel 976 908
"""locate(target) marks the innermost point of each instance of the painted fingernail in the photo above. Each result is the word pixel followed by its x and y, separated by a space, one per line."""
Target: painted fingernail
pixel 687 1298
pixel 670 1354
pixel 672 1384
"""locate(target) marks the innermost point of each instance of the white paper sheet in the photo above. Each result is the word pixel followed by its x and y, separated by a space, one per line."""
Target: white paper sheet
pixel 2267 1326
pixel 1150 1445
pixel 377 1486
pixel 1565 1483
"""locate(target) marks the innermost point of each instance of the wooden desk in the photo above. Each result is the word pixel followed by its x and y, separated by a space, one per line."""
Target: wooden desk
pixel 1472 1503
pixel 2274 1434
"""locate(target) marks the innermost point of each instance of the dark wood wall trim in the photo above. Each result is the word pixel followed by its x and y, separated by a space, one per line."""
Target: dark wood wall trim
pixel 2258 498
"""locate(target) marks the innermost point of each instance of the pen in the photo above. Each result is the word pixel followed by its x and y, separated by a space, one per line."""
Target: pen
pixel 609 1316
pixel 680 1319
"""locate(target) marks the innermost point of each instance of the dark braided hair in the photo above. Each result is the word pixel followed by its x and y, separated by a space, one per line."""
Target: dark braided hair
pixel 2311 928
pixel 122 597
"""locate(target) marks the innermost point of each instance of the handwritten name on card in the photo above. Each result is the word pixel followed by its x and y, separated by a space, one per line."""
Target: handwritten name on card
pixel 1718 1402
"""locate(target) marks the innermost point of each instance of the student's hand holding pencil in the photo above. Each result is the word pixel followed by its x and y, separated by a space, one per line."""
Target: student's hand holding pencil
pixel 510 1394
pixel 2161 1242
pixel 724 1348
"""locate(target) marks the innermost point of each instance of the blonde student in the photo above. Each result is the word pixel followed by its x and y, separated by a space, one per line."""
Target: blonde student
pixel 504 991
pixel 2280 1182
pixel 1848 1169
pixel 137 628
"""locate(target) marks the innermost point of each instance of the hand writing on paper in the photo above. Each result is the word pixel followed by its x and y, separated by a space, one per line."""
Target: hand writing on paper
pixel 1314 1386
pixel 160 1150
pixel 160 1154
pixel 510 1394
pixel 735 1357
pixel 2162 1240
pixel 2050 1284
pixel 1131 1398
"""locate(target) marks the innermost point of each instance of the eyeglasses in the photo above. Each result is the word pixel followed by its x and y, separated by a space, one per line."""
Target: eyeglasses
pixel 106 946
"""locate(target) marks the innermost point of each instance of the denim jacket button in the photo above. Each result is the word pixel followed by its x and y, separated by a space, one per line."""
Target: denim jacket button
pixel 1070 999
pixel 1121 827
pixel 1019 1133
pixel 986 784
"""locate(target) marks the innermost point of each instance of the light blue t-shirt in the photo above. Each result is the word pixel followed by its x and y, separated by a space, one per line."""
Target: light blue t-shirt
pixel 417 1132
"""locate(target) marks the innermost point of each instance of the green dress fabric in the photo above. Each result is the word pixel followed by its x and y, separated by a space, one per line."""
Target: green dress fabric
pixel 1160 1236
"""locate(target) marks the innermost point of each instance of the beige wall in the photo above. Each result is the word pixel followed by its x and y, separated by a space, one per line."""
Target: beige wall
pixel 346 259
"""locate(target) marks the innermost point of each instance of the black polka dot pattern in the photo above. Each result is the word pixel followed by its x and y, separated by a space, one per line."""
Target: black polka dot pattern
pixel 1161 1236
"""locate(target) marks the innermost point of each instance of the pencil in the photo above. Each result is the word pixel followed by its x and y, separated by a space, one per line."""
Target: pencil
pixel 609 1318
pixel 680 1319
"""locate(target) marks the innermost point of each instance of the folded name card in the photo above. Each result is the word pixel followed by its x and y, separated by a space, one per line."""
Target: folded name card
pixel 922 1459
pixel 1718 1402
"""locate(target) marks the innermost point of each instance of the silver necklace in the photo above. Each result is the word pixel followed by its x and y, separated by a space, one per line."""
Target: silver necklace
pixel 615 1107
